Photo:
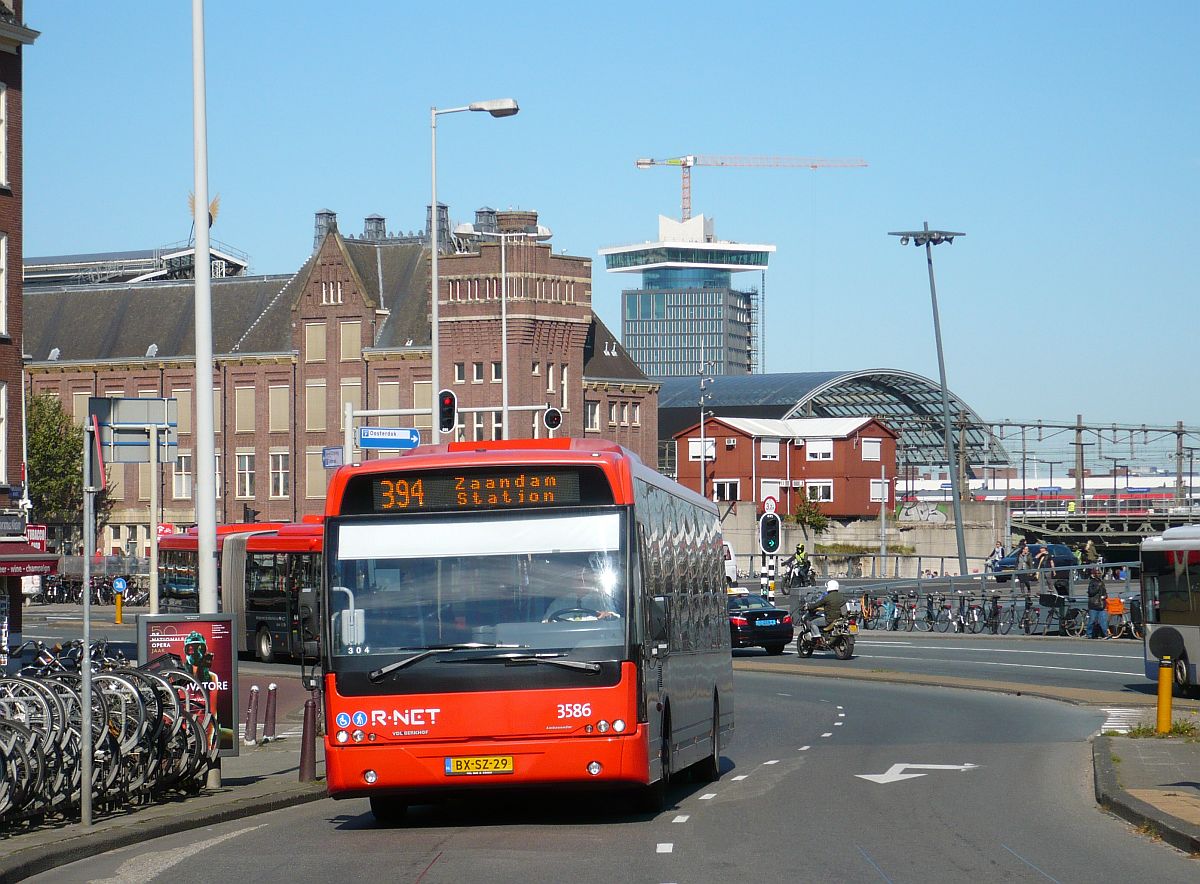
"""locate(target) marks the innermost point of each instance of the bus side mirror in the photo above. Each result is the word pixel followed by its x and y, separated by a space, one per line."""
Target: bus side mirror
pixel 658 619
pixel 308 602
pixel 354 627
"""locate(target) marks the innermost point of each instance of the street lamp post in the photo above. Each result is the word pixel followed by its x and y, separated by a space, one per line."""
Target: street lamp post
pixel 498 107
pixel 929 238
pixel 1051 464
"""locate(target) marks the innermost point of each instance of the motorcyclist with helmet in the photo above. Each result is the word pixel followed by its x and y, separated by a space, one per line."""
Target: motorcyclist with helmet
pixel 826 608
pixel 800 566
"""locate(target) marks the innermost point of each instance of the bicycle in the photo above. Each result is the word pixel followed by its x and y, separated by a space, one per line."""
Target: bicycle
pixel 1120 619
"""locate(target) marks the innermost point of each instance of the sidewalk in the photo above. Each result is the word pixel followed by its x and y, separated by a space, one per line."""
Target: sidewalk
pixel 1152 783
pixel 260 779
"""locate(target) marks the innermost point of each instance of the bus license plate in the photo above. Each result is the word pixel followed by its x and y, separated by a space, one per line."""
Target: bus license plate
pixel 478 765
pixel 854 627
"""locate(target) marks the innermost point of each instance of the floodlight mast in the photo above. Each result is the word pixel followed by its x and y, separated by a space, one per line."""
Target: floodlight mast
pixel 929 238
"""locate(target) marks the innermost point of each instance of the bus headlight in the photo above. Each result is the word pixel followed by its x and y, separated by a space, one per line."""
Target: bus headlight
pixel 358 736
pixel 369 777
pixel 619 726
pixel 594 768
pixel 602 726
pixel 341 736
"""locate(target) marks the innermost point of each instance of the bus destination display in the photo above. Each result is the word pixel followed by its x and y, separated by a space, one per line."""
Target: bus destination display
pixel 501 488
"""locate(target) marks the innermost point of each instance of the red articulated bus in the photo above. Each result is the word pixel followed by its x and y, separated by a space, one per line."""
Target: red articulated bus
pixel 530 613
pixel 268 575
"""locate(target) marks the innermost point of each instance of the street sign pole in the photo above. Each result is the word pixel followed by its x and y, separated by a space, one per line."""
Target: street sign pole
pixel 85 737
pixel 153 519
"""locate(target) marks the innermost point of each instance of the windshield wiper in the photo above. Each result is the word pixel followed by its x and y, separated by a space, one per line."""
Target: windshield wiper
pixel 426 652
pixel 552 659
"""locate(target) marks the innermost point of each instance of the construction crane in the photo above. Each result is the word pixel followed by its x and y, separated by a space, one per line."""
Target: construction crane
pixel 685 164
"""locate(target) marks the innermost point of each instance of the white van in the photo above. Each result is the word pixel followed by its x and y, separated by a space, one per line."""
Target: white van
pixel 731 575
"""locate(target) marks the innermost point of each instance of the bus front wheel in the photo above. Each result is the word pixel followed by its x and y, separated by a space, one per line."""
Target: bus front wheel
pixel 265 645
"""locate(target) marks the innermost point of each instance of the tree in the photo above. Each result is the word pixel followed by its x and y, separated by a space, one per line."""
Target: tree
pixel 56 468
pixel 808 515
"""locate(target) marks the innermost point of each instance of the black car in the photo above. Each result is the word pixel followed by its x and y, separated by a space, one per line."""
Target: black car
pixel 1059 552
pixel 755 622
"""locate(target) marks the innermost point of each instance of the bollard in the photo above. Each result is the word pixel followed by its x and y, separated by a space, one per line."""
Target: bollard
pixel 1166 671
pixel 308 742
pixel 119 598
pixel 251 736
pixel 269 717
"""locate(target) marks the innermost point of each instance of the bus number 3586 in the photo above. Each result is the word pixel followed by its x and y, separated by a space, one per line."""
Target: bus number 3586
pixel 574 710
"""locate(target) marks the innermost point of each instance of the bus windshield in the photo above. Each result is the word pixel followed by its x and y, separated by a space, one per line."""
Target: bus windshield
pixel 549 581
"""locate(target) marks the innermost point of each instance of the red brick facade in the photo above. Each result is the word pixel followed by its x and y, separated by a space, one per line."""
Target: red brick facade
pixel 281 401
pixel 790 463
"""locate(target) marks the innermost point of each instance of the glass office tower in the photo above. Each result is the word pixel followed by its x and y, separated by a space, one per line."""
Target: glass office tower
pixel 687 311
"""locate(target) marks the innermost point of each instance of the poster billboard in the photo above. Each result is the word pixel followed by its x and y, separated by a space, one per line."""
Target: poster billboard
pixel 207 645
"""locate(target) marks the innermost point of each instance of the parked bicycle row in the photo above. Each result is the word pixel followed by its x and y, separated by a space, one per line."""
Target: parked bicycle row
pixel 57 589
pixel 1043 613
pixel 152 734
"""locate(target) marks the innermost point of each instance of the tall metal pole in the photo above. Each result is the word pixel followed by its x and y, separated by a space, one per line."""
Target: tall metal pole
pixel 85 736
pixel 950 456
pixel 433 275
pixel 206 489
pixel 503 336
pixel 153 518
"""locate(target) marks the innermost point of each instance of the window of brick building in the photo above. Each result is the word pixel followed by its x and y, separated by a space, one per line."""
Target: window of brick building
pixel 460 372
pixel 315 478
pixel 820 490
pixel 314 342
pixel 243 410
pixel 591 419
pixel 245 475
pixel 388 393
pixel 181 476
pixel 350 340
pixel 423 398
pixel 183 401
pixel 314 405
pixel 477 372
pixel 281 474
pixel 279 417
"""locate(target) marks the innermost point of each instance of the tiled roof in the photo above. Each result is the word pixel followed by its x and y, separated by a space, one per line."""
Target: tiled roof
pixel 605 359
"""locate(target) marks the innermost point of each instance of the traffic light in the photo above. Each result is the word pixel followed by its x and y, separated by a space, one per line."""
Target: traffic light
pixel 447 411
pixel 769 529
pixel 249 514
pixel 552 418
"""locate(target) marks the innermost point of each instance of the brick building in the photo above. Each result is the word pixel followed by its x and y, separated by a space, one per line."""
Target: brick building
pixel 844 464
pixel 351 325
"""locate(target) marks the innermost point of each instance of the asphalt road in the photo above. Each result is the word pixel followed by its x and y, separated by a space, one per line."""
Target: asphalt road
pixel 1013 802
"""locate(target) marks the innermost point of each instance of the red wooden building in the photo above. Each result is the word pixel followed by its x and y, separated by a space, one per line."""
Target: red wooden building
pixel 845 464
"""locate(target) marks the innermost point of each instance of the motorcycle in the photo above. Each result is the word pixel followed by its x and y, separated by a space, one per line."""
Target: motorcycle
pixel 798 576
pixel 837 637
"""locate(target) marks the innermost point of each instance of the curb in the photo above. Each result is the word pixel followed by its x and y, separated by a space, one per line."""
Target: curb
pixel 132 830
pixel 1112 798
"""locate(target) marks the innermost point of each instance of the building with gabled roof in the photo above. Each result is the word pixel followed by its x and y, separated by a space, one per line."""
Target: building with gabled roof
pixel 844 464
pixel 351 325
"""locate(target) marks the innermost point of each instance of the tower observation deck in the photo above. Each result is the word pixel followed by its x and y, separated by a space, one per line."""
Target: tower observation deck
pixel 687 311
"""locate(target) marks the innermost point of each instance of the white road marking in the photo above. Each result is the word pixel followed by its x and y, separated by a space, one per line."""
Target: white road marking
pixel 994 663
pixel 841 707
pixel 1121 720
pixel 708 796
pixel 148 866
pixel 976 650
pixel 666 848
pixel 830 734
pixel 838 723
pixel 781 694
pixel 682 818
pixel 775 761
pixel 804 748
pixel 895 773
pixel 841 714
pixel 742 777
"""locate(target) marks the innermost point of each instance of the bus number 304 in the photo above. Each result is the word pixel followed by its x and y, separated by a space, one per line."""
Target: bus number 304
pixel 574 710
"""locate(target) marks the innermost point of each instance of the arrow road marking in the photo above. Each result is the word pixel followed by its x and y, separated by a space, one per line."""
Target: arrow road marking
pixel 895 773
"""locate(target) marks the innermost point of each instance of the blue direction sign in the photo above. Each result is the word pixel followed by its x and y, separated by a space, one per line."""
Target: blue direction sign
pixel 119 584
pixel 388 437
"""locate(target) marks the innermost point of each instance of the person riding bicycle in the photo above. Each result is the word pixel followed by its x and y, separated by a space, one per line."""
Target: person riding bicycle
pixel 826 608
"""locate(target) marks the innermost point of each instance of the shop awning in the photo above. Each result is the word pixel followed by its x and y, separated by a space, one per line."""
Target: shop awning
pixel 19 559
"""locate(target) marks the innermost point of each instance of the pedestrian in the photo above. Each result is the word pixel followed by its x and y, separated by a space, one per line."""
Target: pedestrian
pixel 1024 565
pixel 1097 602
pixel 1090 556
pixel 997 553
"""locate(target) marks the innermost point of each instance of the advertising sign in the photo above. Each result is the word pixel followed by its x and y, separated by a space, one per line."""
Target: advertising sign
pixel 35 536
pixel 207 645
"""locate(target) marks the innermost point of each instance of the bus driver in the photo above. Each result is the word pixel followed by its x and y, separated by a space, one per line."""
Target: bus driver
pixel 588 599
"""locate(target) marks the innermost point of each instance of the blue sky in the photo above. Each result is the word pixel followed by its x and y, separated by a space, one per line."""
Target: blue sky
pixel 1063 138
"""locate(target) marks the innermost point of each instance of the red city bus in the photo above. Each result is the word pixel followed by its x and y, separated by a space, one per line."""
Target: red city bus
pixel 515 614
pixel 268 575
